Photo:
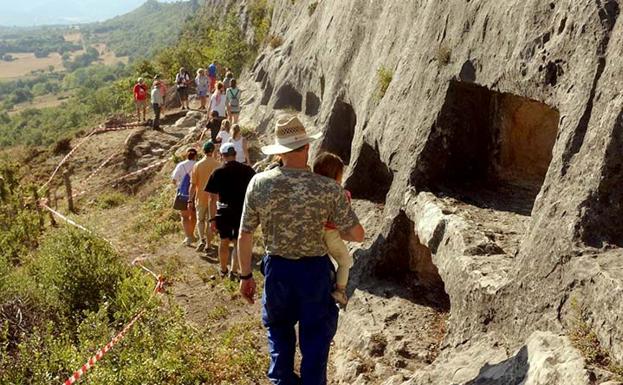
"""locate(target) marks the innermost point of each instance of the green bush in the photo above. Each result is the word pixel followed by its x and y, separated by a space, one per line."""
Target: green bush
pixel 260 14
pixel 19 221
pixel 79 269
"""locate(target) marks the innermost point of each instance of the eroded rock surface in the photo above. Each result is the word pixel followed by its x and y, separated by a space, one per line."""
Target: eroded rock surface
pixel 490 168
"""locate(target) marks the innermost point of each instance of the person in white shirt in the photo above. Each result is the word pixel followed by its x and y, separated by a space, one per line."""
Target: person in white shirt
pixel 181 178
pixel 223 135
pixel 156 103
pixel 240 145
pixel 218 101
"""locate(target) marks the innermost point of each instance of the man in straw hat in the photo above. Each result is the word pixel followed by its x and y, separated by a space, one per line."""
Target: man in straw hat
pixel 292 205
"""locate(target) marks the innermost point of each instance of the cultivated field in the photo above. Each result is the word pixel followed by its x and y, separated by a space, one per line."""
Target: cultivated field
pixel 25 63
pixel 41 102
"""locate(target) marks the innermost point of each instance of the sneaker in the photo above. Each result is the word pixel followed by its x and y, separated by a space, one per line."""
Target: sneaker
pixel 201 246
pixel 187 242
pixel 340 297
pixel 223 274
pixel 234 276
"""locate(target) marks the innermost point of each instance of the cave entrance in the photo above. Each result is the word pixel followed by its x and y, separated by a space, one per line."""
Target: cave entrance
pixel 489 148
pixel 340 130
pixel 405 260
pixel 370 178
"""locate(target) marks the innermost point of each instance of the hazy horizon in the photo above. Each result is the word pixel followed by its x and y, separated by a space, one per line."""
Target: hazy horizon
pixel 53 12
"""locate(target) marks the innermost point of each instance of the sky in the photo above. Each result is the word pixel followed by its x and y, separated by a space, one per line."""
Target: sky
pixel 41 12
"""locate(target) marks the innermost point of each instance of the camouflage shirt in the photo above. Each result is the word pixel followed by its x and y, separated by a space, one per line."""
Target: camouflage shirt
pixel 292 206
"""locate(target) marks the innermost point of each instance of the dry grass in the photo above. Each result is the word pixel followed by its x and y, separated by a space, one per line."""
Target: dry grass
pixel 275 41
pixel 25 63
pixel 73 37
pixel 44 101
pixel 584 338
pixel 443 55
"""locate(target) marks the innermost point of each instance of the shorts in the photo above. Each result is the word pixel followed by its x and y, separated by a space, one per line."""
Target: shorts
pixel 202 93
pixel 227 223
pixel 183 92
pixel 141 103
pixel 212 82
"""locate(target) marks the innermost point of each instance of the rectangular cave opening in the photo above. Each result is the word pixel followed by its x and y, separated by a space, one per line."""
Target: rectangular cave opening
pixel 408 263
pixel 489 149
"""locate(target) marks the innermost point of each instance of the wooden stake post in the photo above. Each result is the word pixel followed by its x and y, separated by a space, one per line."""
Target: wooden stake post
pixel 68 192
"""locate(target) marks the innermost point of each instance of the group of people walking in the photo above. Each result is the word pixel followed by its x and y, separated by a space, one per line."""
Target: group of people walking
pixel 222 97
pixel 305 216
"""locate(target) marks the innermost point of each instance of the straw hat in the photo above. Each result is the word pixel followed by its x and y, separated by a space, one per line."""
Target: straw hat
pixel 290 134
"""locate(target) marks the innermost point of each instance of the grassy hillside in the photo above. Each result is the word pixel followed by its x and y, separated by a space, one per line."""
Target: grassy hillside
pixel 145 30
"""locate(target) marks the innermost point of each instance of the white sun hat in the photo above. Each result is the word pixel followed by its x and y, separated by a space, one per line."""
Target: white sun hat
pixel 290 134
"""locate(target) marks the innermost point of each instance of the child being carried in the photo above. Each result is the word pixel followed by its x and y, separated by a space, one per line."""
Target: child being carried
pixel 331 166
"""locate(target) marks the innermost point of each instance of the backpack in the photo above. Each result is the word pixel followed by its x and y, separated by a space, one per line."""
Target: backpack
pixel 184 188
pixel 183 193
pixel 234 102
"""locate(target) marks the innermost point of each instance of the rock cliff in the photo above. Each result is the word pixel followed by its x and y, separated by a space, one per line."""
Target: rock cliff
pixel 484 147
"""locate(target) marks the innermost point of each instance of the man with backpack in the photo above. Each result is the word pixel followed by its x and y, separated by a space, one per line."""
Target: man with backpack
pixel 232 101
pixel 140 98
pixel 181 179
pixel 182 81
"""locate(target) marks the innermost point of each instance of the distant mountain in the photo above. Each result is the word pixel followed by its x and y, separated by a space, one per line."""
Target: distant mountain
pixel 43 12
pixel 143 31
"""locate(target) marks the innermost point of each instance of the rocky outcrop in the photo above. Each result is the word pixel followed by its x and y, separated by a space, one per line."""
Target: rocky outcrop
pixel 493 156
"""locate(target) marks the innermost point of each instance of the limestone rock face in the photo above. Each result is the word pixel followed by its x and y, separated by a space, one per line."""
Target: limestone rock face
pixel 486 137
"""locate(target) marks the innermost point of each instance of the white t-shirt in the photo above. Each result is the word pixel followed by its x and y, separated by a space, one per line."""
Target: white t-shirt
pixel 218 107
pixel 224 136
pixel 182 168
pixel 238 145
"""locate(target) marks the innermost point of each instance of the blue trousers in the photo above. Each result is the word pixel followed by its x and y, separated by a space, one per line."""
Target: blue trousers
pixel 298 291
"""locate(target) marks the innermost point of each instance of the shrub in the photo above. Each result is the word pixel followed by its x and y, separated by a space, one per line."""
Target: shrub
pixel 311 8
pixel 584 339
pixel 79 269
pixel 19 222
pixel 443 55
pixel 276 41
pixel 62 146
pixel 109 200
pixel 384 79
pixel 260 14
